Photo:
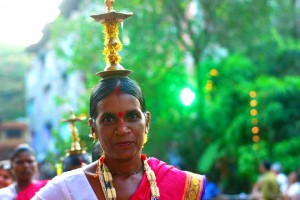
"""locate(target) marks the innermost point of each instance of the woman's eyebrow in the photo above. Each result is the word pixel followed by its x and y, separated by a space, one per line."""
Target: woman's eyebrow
pixel 133 111
pixel 107 114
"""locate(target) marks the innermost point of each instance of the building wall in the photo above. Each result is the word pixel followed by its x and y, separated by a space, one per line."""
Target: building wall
pixel 11 135
pixel 50 92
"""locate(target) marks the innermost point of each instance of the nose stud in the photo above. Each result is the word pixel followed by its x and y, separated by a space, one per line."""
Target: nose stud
pixel 116 132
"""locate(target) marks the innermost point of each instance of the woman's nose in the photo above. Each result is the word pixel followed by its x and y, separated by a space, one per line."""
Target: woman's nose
pixel 121 129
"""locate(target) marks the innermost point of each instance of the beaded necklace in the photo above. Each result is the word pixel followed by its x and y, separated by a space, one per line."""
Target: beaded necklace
pixel 106 179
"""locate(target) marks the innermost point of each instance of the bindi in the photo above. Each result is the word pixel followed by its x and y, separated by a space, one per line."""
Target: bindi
pixel 120 115
pixel 117 90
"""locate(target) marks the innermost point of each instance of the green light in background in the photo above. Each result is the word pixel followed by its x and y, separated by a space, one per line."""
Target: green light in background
pixel 187 96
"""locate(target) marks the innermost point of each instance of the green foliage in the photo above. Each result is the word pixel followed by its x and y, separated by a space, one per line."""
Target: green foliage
pixel 228 108
pixel 13 63
pixel 286 152
pixel 209 156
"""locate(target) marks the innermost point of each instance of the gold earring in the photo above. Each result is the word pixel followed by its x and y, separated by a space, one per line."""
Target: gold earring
pixel 145 138
pixel 94 135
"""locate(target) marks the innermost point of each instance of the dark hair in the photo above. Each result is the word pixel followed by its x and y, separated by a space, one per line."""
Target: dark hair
pixel 97 151
pixel 267 164
pixel 107 86
pixel 20 149
pixel 71 161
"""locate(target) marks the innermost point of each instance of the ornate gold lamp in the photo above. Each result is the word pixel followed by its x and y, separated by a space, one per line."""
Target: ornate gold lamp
pixel 75 145
pixel 113 45
pixel 76 156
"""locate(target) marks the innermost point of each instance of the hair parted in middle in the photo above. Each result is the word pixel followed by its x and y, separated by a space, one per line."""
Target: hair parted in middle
pixel 107 86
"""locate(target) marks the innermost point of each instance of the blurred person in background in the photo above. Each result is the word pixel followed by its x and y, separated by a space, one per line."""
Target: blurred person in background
pixel 212 190
pixel 174 157
pixel 24 168
pixel 74 161
pixel 266 187
pixel 291 191
pixel 6 176
pixel 280 177
pixel 97 152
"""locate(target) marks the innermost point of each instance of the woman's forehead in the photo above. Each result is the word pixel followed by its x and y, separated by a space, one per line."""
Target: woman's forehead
pixel 115 102
pixel 24 155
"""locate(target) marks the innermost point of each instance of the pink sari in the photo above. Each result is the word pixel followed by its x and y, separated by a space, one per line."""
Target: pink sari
pixel 31 189
pixel 172 183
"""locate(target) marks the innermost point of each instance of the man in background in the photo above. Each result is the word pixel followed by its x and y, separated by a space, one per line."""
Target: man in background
pixel 266 187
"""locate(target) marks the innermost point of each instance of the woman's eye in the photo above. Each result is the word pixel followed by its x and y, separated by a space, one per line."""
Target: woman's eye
pixel 108 119
pixel 133 116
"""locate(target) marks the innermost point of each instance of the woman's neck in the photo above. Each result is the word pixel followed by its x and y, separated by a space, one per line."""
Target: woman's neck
pixel 119 167
pixel 22 184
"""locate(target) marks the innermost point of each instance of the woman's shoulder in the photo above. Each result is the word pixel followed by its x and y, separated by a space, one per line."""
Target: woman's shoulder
pixel 61 186
pixel 194 186
pixel 69 176
pixel 159 166
pixel 74 172
pixel 190 185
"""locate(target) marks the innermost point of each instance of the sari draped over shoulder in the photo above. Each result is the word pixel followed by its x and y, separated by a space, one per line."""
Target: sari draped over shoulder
pixel 31 189
pixel 173 183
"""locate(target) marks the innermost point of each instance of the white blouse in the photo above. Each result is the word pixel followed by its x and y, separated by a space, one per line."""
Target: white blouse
pixel 9 192
pixel 69 185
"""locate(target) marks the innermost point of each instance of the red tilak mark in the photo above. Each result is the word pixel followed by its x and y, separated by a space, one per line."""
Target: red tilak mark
pixel 118 91
pixel 120 115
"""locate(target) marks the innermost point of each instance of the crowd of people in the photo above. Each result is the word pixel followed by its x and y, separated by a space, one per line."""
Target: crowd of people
pixel 274 184
pixel 19 175
pixel 19 178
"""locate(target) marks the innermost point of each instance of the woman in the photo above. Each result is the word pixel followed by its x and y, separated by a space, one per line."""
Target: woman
pixel 120 122
pixel 6 176
pixel 24 168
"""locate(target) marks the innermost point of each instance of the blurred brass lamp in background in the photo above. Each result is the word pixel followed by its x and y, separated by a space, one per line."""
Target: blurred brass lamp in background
pixel 76 156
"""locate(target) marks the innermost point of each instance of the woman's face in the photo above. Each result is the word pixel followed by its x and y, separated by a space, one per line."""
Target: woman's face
pixel 292 177
pixel 5 178
pixel 24 166
pixel 120 126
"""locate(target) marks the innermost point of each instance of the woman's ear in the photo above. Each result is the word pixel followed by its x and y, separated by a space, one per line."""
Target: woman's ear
pixel 148 119
pixel 92 124
pixel 92 128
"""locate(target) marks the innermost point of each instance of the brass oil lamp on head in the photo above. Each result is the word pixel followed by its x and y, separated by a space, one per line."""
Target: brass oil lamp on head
pixel 113 45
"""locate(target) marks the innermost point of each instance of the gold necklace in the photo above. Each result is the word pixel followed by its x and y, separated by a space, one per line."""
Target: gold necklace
pixel 106 179
pixel 127 174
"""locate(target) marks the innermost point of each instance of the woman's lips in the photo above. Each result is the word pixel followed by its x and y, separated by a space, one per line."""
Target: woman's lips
pixel 124 144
